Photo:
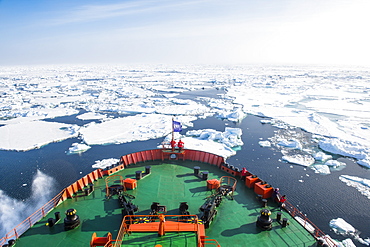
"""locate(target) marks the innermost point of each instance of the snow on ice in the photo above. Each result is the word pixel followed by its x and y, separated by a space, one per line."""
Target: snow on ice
pixel 361 184
pixel 209 140
pixel 331 104
pixel 104 163
pixel 132 128
pixel 34 134
pixel 78 148
pixel 340 226
pixel 91 115
pixel 338 110
pixel 303 160
pixel 321 156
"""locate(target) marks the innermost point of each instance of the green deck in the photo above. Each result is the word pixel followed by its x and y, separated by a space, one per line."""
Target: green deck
pixel 169 184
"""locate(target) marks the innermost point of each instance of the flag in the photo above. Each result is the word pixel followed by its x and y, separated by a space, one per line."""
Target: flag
pixel 176 126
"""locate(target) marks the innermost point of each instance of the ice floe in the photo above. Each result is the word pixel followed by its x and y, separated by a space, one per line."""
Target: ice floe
pixel 236 115
pixel 321 156
pixel 91 116
pixel 341 227
pixel 322 169
pixel 101 164
pixel 231 137
pixel 209 140
pixel 295 144
pixel 132 128
pixel 34 134
pixel 264 143
pixel 298 159
pixel 361 184
pixel 344 148
pixel 77 148
pixel 334 163
pixel 336 108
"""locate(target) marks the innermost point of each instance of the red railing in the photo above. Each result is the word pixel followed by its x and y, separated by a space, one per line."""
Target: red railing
pixel 68 192
pixel 208 241
pixel 31 220
pixel 178 225
pixel 306 223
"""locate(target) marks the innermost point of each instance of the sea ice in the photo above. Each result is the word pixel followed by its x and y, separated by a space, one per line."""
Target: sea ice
pixel 91 116
pixel 264 143
pixel 231 137
pixel 321 156
pixel 334 163
pixel 346 243
pixel 299 159
pixel 340 226
pixel 364 162
pixel 361 184
pixel 322 169
pixel 188 107
pixel 236 115
pixel 208 146
pixel 292 143
pixel 132 128
pixel 24 136
pixel 345 148
pixel 209 140
pixel 105 163
pixel 78 148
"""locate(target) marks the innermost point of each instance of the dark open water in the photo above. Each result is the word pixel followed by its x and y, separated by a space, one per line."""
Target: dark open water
pixel 321 197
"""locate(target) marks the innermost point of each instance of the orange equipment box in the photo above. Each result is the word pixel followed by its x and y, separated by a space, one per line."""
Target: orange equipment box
pixel 251 180
pixel 130 183
pixel 213 184
pixel 263 189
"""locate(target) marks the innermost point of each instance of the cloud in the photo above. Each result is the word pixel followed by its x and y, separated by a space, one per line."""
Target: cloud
pixel 90 13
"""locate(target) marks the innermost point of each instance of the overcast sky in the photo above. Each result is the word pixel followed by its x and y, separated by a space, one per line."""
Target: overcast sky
pixel 185 32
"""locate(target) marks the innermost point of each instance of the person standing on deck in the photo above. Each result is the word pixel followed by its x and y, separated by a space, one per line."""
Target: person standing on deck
pixel 173 144
pixel 180 144
pixel 244 173
pixel 282 201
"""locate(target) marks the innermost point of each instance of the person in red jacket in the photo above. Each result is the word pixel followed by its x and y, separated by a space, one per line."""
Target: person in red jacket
pixel 282 201
pixel 173 144
pixel 244 173
pixel 180 144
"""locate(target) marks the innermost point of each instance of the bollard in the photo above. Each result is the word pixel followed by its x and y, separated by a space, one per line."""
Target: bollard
pixel 204 175
pixel 57 216
pixel 51 222
pixel 11 242
pixel 285 222
pixel 196 170
pixel 138 175
pixel 264 203
pixel 278 216
pixel 91 187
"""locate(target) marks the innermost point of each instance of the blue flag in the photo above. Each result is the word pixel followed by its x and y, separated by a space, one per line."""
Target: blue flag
pixel 177 127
